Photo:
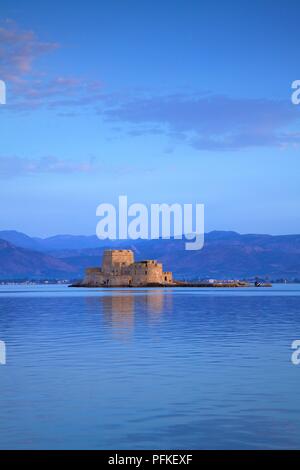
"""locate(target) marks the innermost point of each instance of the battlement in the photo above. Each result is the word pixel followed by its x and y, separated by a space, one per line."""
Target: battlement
pixel 147 262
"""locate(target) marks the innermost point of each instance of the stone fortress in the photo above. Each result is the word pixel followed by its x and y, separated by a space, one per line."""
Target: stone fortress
pixel 120 270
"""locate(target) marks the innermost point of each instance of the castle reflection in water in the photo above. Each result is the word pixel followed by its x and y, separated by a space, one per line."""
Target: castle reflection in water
pixel 121 309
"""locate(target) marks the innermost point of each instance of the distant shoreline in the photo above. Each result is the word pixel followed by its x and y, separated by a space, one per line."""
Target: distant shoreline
pixel 69 283
pixel 216 285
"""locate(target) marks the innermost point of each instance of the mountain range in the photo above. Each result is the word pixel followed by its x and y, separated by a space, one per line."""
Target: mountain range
pixel 225 254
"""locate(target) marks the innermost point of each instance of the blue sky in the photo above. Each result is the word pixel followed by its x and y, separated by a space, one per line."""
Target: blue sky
pixel 173 101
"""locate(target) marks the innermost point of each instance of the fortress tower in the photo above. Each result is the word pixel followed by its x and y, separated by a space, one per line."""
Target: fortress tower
pixel 115 260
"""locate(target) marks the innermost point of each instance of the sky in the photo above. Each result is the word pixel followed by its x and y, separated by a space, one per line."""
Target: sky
pixel 180 101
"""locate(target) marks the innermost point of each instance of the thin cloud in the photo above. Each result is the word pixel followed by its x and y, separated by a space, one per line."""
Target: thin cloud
pixel 211 122
pixel 202 121
pixel 29 88
pixel 15 166
pixel 18 51
pixel 57 93
pixel 18 166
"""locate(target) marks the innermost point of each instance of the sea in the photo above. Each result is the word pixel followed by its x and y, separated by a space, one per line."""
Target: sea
pixel 173 368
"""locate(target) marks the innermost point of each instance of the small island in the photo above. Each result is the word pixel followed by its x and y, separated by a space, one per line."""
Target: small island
pixel 119 269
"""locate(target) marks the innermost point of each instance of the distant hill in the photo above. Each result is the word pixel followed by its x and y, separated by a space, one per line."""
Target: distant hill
pixel 20 239
pixel 57 242
pixel 20 263
pixel 225 255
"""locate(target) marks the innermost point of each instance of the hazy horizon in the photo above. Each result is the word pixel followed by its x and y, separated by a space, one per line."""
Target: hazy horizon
pixel 129 240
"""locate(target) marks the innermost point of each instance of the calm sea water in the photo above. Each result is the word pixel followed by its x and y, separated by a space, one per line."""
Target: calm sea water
pixel 149 368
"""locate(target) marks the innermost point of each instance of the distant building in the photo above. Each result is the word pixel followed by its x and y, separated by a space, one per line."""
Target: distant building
pixel 120 270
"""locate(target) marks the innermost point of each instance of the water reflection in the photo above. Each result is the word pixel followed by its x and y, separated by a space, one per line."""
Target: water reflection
pixel 121 309
pixel 118 312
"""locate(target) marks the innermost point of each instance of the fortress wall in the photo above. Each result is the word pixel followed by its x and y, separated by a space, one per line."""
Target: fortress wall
pixel 93 276
pixel 119 281
pixel 167 277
